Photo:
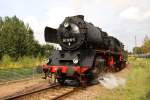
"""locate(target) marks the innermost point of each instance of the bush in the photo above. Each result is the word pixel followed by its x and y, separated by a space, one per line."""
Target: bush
pixel 6 61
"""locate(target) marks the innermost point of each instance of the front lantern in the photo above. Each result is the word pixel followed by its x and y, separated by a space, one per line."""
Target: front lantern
pixel 76 60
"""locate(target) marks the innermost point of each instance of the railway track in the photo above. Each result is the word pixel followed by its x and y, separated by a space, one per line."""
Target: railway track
pixel 63 95
pixel 49 92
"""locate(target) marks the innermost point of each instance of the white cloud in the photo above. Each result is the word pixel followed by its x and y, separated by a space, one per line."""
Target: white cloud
pixel 146 15
pixel 131 13
pixel 134 13
pixel 57 15
pixel 37 27
pixel 33 22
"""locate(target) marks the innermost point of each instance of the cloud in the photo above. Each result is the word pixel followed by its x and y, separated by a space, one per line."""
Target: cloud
pixel 37 27
pixel 56 15
pixel 32 22
pixel 135 14
pixel 130 13
pixel 146 15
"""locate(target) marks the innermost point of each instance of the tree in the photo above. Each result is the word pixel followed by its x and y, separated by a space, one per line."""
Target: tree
pixel 137 50
pixel 16 38
pixel 145 48
pixel 46 50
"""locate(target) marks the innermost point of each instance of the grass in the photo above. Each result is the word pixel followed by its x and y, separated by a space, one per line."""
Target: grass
pixel 8 62
pixel 23 68
pixel 15 73
pixel 137 86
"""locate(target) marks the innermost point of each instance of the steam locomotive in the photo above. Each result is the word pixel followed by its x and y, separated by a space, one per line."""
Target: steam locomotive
pixel 87 52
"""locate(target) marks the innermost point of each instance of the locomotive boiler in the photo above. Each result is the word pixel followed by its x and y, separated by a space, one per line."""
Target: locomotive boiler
pixel 87 52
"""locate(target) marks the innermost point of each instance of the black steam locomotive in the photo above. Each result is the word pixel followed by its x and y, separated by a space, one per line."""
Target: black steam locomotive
pixel 87 52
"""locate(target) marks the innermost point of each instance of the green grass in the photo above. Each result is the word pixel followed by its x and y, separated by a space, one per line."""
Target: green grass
pixel 8 62
pixel 24 67
pixel 137 86
pixel 10 74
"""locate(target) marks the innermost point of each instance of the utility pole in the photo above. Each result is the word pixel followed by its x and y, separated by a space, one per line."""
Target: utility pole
pixel 135 41
pixel 135 45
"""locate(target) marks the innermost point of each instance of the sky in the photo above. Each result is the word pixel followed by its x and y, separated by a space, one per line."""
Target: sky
pixel 124 19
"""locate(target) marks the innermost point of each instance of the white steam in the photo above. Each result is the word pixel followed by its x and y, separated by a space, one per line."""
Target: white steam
pixel 109 81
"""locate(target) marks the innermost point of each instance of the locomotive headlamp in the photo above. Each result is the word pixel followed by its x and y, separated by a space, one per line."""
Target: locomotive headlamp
pixel 66 24
pixel 75 28
pixel 75 60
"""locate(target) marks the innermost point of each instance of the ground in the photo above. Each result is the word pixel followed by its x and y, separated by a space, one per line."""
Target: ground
pixel 99 92
pixel 90 93
pixel 13 87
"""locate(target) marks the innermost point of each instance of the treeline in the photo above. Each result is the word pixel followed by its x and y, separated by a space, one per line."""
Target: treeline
pixel 145 48
pixel 16 39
